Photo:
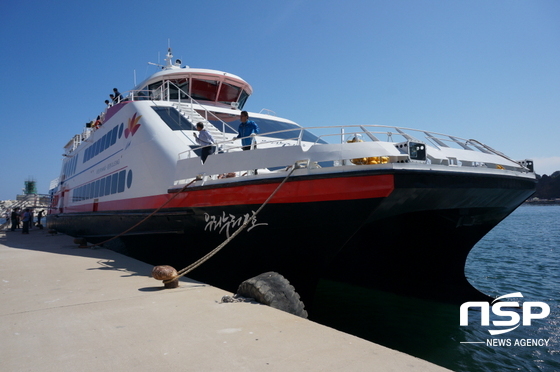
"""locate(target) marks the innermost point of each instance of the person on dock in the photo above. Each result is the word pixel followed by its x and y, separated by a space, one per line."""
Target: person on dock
pixel 14 217
pixel 31 217
pixel 39 217
pixel 247 128
pixel 26 218
pixel 204 139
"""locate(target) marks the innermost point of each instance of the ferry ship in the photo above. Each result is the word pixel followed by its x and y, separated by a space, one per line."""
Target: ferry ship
pixel 377 206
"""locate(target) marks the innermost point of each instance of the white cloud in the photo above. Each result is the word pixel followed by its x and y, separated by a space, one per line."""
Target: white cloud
pixel 547 165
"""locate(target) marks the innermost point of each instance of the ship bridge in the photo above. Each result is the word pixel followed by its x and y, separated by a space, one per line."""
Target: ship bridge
pixel 178 83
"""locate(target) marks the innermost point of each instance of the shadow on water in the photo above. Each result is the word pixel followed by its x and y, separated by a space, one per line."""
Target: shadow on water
pixel 519 255
pixel 425 329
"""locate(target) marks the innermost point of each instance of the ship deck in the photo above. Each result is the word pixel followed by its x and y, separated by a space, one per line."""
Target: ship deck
pixel 66 308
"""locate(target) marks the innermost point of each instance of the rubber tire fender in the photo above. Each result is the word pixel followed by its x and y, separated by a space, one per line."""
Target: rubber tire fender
pixel 274 290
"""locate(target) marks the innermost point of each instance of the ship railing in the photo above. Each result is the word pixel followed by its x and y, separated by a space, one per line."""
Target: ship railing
pixel 273 156
pixel 73 144
pixel 392 134
pixel 163 93
pixel 527 163
pixel 344 133
pixel 395 145
pixel 443 144
pixel 265 141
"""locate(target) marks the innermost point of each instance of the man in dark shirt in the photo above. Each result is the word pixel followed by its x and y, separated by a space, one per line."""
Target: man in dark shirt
pixel 118 96
pixel 14 217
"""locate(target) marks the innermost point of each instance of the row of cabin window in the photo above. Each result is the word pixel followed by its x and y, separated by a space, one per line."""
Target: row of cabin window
pixel 103 143
pixel 70 166
pixel 105 186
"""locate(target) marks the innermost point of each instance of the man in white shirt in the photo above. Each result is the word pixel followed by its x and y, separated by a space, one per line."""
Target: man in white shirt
pixel 204 139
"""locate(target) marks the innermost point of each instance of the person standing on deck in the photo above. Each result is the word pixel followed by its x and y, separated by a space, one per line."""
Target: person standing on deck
pixel 118 95
pixel 246 129
pixel 204 139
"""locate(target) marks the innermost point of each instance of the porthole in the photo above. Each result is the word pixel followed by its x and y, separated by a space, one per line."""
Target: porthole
pixel 129 179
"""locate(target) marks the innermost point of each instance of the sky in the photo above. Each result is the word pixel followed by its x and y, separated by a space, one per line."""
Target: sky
pixel 488 70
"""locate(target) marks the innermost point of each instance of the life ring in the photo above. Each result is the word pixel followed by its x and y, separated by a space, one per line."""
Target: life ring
pixel 274 290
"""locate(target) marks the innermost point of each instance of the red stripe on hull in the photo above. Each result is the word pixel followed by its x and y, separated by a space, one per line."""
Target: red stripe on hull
pixel 296 191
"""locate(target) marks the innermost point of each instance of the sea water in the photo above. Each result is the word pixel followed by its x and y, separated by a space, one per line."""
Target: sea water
pixel 521 254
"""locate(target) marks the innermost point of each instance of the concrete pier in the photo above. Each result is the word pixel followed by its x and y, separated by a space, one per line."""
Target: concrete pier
pixel 65 308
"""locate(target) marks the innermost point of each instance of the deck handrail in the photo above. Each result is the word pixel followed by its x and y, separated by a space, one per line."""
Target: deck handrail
pixel 368 131
pixel 438 140
pixel 162 93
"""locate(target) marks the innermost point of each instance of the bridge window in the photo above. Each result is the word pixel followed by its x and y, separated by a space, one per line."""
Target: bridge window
pixel 243 99
pixel 228 93
pixel 204 89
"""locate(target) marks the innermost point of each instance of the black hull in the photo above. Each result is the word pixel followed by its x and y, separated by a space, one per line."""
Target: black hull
pixel 298 241
pixel 414 241
pixel 419 248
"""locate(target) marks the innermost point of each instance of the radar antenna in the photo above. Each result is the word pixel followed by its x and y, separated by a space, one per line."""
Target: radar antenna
pixel 169 57
pixel 169 61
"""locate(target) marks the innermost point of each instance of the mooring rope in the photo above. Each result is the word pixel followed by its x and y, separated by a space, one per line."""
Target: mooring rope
pixel 196 264
pixel 150 215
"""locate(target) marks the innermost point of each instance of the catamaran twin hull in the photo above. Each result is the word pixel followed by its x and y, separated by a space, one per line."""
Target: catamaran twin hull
pixel 374 205
pixel 405 231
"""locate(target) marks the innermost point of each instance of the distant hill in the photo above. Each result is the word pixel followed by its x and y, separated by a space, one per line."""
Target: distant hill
pixel 548 187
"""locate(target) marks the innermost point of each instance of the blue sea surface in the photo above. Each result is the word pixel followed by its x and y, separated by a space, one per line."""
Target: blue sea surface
pixel 521 254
